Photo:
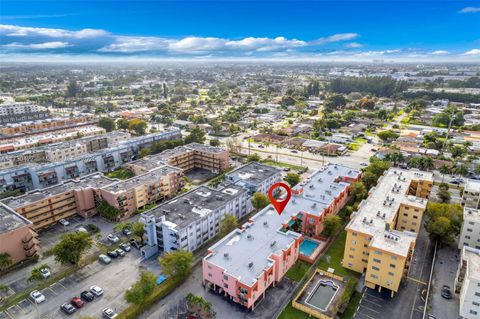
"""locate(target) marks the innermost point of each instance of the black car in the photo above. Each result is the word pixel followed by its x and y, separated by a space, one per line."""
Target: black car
pixel 87 296
pixel 446 293
pixel 67 308
pixel 112 254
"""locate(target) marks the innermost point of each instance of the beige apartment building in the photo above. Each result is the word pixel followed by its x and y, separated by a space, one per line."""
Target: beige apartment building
pixel 381 235
pixel 471 194
pixel 467 283
pixel 135 193
pixel 47 124
pixel 17 239
pixel 47 206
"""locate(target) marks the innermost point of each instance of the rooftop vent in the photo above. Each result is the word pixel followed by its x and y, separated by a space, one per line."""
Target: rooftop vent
pixel 273 243
pixel 265 224
pixel 250 237
pixel 225 255
pixel 250 264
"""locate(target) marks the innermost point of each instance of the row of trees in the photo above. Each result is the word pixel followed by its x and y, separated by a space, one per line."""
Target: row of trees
pixel 379 86
pixel 137 126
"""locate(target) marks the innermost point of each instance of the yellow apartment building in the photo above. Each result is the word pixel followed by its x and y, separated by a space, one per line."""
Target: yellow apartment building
pixel 381 234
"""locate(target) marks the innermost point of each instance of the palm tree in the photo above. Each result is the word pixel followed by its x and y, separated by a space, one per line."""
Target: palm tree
pixel 5 261
pixel 444 169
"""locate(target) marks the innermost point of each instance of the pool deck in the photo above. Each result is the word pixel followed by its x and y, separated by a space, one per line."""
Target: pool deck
pixel 310 287
pixel 316 253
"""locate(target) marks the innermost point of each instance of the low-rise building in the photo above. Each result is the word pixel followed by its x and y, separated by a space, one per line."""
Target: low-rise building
pixel 192 219
pixel 254 177
pixel 17 239
pixel 36 126
pixel 470 233
pixel 467 283
pixel 381 235
pixel 245 263
pixel 47 206
pixel 135 193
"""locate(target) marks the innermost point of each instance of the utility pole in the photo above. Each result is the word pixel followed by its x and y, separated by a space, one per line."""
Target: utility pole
pixel 448 133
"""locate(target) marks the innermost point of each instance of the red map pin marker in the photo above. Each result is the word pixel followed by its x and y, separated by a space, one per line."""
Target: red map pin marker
pixel 279 205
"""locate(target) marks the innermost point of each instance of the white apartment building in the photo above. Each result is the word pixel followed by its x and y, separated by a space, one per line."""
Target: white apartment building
pixel 471 194
pixel 255 177
pixel 468 283
pixel 470 233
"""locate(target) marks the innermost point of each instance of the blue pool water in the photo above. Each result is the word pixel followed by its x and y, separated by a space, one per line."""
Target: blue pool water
pixel 307 247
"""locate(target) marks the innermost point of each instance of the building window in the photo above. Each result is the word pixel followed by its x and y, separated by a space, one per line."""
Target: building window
pixel 225 277
pixel 390 273
pixel 354 234
pixel 377 260
pixel 374 276
pixel 392 266
pixel 378 252
pixel 375 268
pixel 473 312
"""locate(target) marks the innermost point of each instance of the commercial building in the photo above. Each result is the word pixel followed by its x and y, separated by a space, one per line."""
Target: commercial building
pixel 20 112
pixel 254 177
pixel 17 239
pixel 470 233
pixel 34 176
pixel 46 207
pixel 471 194
pixel 135 193
pixel 247 261
pixel 381 235
pixel 192 219
pixel 467 283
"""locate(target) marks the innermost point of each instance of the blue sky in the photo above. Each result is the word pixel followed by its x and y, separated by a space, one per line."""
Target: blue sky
pixel 325 30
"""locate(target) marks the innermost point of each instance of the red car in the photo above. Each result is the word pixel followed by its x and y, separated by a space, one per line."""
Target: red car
pixel 77 302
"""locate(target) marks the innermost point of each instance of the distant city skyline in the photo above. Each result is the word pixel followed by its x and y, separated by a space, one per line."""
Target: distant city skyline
pixel 360 30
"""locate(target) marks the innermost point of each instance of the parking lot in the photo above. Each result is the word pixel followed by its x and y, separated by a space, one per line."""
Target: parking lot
pixel 114 279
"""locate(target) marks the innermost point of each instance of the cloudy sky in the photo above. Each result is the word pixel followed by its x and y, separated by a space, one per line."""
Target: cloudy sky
pixel 408 30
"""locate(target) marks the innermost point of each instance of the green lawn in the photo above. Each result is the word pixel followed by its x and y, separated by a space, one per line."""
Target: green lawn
pixel 298 270
pixel 120 173
pixel 279 164
pixel 291 313
pixel 334 255
pixel 352 306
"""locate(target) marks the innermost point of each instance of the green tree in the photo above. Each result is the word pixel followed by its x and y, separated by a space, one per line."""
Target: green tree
pixel 227 224
pixel 395 157
pixel 334 102
pixel 72 89
pixel 107 123
pixel 253 158
pixel 138 126
pixel 138 229
pixel 36 275
pixel 461 169
pixel 358 191
pixel 196 135
pixel 331 224
pixel 444 195
pixel 144 152
pixel 122 124
pixel 444 170
pixel 292 179
pixel 260 200
pixel 142 289
pixel 214 142
pixel 122 225
pixel 71 247
pixel 176 263
pixel 387 135
pixel 108 211
pixel 443 221
pixel 5 261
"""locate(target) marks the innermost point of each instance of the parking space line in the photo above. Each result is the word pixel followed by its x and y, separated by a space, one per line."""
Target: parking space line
pixel 369 295
pixel 8 314
pixel 368 308
pixel 374 303
pixel 363 314
pixel 416 280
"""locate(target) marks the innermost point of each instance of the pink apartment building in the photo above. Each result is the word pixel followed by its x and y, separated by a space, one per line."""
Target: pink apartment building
pixel 249 260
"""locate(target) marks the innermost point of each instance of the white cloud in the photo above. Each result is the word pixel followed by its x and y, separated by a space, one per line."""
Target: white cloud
pixel 473 52
pixel 18 31
pixel 40 46
pixel 135 44
pixel 353 45
pixel 336 38
pixel 470 10
pixel 439 52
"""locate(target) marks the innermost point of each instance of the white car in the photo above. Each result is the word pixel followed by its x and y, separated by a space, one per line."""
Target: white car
pixel 64 222
pixel 37 296
pixel 113 238
pixel 97 291
pixel 109 313
pixel 45 272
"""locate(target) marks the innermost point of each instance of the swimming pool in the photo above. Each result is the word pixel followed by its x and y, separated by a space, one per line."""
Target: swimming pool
pixel 322 295
pixel 307 247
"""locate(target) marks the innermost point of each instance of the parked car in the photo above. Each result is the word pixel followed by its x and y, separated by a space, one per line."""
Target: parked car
pixel 87 296
pixel 261 146
pixel 135 243
pixel 446 292
pixel 112 254
pixel 294 151
pixel 113 238
pixel 77 302
pixel 68 308
pixel 126 231
pixel 109 313
pixel 457 181
pixel 104 259
pixel 363 164
pixel 81 230
pixel 286 169
pixel 125 247
pixel 45 272
pixel 120 252
pixel 96 291
pixel 64 222
pixel 37 296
